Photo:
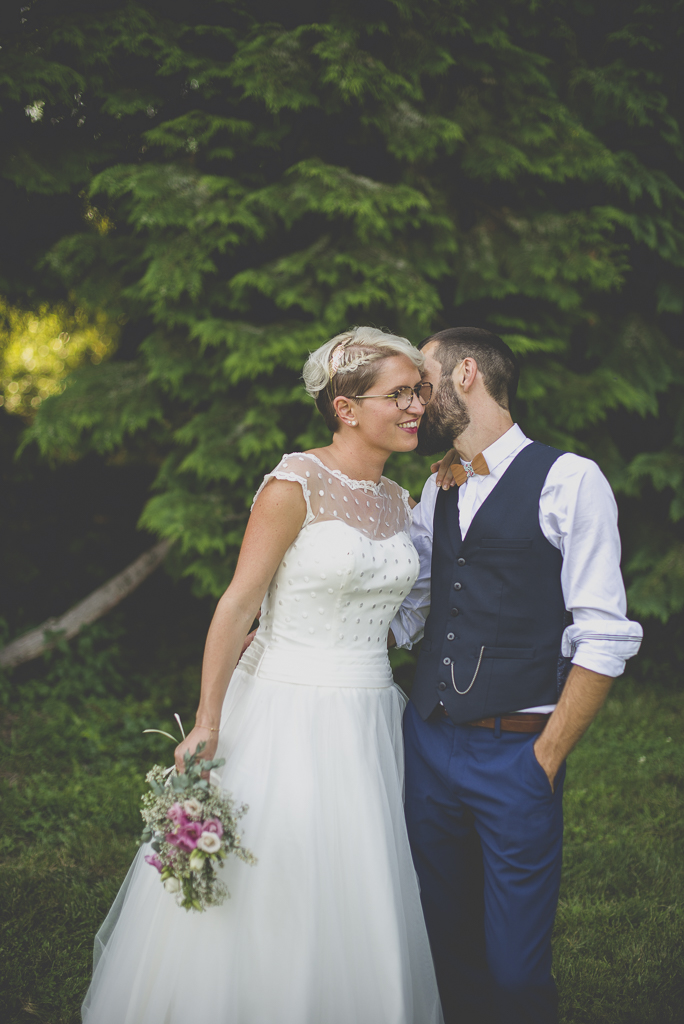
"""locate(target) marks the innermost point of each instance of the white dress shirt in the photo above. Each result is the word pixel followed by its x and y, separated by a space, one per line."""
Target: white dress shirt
pixel 578 515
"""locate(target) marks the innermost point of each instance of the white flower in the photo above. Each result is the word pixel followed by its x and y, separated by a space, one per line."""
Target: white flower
pixel 196 861
pixel 209 842
pixel 35 110
pixel 192 807
pixel 172 885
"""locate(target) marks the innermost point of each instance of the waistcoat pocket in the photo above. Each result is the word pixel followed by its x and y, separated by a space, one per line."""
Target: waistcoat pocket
pixel 510 652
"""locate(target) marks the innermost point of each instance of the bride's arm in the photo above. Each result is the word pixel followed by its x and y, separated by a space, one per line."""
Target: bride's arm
pixel 276 519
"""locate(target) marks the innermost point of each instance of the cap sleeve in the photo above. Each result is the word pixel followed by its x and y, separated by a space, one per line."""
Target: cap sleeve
pixel 297 469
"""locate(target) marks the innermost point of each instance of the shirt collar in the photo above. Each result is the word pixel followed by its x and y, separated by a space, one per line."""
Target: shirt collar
pixel 503 447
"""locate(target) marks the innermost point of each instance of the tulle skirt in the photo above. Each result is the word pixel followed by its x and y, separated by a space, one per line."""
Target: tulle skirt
pixel 327 928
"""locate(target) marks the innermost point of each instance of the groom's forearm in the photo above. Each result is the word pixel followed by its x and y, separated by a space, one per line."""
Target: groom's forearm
pixel 581 700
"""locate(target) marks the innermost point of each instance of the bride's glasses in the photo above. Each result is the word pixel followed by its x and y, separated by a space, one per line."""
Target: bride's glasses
pixel 404 396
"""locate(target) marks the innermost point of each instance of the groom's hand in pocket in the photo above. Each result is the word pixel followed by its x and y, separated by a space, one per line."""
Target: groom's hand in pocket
pixel 581 700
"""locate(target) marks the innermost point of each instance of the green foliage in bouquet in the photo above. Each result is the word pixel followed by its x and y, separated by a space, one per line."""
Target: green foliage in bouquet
pixel 192 826
pixel 255 177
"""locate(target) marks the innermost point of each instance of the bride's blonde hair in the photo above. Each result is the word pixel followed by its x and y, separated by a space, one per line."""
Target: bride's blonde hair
pixel 348 365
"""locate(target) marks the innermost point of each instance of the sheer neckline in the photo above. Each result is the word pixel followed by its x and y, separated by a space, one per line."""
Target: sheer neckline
pixel 377 510
pixel 366 485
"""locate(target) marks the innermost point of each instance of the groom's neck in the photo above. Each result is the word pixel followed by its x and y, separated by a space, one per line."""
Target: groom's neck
pixel 486 426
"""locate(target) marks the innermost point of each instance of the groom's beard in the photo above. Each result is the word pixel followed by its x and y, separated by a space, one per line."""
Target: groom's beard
pixel 446 417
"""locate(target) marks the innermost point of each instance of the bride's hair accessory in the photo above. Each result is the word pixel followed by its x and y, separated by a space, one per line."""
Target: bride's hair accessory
pixel 336 361
pixel 347 352
pixel 346 365
pixel 344 361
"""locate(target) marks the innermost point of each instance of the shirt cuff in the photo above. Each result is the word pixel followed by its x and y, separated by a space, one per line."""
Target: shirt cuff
pixel 403 639
pixel 602 645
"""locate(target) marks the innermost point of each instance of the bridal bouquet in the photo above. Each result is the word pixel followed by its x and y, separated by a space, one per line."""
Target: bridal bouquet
pixel 192 826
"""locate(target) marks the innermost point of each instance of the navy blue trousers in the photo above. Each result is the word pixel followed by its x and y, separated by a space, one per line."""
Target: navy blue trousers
pixel 486 835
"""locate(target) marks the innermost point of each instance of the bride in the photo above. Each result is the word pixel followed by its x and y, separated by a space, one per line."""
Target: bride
pixel 327 928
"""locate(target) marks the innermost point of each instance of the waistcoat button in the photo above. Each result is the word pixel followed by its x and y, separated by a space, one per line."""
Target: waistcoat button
pixel 457 586
pixel 454 611
pixel 447 661
pixel 450 636
pixel 441 686
pixel 460 561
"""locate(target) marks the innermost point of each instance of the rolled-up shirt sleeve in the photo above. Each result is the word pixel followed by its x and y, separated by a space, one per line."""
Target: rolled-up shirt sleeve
pixel 578 515
pixel 409 622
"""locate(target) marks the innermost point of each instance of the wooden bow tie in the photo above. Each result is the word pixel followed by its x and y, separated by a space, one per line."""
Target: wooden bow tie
pixel 477 466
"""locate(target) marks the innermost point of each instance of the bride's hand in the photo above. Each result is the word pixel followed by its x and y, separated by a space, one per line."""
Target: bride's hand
pixel 200 734
pixel 445 478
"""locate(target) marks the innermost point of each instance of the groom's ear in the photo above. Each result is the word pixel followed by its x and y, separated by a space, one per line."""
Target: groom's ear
pixel 465 374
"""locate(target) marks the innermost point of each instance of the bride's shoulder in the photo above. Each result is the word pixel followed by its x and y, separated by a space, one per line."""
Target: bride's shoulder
pixel 294 467
pixel 296 462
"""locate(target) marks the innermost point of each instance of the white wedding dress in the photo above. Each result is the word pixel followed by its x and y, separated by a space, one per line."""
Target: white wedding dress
pixel 327 928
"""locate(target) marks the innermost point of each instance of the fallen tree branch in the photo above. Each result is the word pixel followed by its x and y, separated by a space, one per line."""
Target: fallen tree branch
pixel 93 607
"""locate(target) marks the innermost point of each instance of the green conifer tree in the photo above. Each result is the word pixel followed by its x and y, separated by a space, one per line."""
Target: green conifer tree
pixel 260 177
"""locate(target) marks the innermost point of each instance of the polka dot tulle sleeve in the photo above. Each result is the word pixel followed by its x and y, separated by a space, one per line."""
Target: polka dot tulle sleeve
pixel 377 510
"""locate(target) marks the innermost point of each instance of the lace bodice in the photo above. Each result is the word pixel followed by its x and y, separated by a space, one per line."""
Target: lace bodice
pixel 352 564
pixel 377 510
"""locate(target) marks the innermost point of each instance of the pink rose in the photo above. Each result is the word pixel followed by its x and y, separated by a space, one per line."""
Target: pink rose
pixel 154 861
pixel 177 815
pixel 186 836
pixel 213 825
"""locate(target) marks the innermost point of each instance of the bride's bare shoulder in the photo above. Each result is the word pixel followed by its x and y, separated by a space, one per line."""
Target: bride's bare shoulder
pixel 286 488
pixel 280 506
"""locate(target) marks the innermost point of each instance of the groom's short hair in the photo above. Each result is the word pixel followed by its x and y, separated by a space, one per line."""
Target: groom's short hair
pixel 495 360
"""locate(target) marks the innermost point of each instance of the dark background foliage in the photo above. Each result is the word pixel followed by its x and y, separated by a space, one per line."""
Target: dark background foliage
pixel 235 183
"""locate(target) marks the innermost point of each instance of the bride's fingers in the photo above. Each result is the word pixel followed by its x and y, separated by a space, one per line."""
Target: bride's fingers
pixel 447 480
pixel 444 462
pixel 181 750
pixel 445 477
pixel 200 734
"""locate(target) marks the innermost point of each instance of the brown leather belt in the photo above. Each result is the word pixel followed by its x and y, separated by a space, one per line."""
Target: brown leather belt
pixel 525 721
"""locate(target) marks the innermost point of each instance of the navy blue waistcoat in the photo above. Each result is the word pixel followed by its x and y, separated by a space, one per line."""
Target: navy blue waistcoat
pixel 497 614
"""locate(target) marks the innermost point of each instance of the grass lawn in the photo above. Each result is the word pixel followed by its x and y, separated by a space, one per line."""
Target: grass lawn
pixel 73 761
pixel 619 939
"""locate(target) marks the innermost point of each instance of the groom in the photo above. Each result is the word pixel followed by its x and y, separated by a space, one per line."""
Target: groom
pixel 526 630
